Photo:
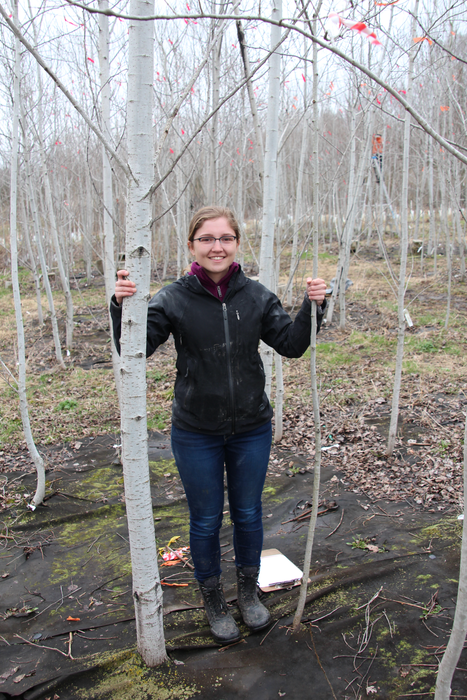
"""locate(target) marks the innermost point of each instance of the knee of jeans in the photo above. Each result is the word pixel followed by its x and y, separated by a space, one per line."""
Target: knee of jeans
pixel 247 518
pixel 205 526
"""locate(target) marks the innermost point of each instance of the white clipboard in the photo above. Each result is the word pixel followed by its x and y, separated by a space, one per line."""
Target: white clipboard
pixel 277 571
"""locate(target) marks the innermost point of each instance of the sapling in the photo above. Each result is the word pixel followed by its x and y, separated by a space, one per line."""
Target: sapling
pixel 459 628
pixel 23 403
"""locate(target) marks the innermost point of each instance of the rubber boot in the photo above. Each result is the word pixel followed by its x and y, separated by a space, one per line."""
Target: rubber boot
pixel 221 622
pixel 255 615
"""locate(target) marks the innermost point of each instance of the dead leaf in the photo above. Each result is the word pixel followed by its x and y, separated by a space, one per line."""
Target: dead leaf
pixel 8 674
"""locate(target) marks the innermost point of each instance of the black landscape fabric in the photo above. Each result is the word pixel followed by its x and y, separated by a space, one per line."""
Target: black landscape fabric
pixel 379 608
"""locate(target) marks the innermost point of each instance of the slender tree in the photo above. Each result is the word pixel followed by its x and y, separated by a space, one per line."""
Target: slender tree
pixel 313 376
pixel 107 194
pixel 404 241
pixel 270 176
pixel 23 402
pixel 459 628
pixel 147 590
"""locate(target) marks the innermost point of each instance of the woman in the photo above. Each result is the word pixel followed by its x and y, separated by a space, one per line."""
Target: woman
pixel 221 416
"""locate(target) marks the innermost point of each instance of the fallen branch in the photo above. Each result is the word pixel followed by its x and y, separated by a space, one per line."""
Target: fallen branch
pixel 338 526
pixel 41 646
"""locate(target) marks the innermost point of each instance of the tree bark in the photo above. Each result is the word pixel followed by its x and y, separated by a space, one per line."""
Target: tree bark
pixel 459 627
pixel 147 591
pixel 270 176
pixel 40 250
pixel 23 402
pixel 313 378
pixel 107 194
pixel 403 263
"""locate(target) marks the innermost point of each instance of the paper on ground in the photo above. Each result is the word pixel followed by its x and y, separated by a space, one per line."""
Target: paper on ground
pixel 277 571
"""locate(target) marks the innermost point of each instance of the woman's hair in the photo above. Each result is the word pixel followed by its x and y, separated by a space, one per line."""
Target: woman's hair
pixel 212 212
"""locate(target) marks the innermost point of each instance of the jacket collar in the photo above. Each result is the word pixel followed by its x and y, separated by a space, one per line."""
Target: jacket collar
pixel 236 282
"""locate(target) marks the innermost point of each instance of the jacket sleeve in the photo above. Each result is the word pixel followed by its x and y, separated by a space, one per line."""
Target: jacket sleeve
pixel 289 338
pixel 158 324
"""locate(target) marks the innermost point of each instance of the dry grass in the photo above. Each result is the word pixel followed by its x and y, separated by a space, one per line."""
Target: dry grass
pixel 355 365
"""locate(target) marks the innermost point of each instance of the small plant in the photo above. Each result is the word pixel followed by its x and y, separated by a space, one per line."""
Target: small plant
pixel 426 346
pixel 359 542
pixel 156 375
pixel 443 446
pixel 432 607
pixel 67 404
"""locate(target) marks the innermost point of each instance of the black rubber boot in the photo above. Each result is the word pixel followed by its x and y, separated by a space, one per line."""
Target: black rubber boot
pixel 221 622
pixel 255 615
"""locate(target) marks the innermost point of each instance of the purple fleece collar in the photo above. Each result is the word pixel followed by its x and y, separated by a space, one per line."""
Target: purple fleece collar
pixel 218 289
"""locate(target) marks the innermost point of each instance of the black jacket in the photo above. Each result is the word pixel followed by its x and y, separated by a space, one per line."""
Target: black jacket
pixel 219 388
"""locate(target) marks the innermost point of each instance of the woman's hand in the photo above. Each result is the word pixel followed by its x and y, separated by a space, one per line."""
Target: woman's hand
pixel 123 286
pixel 316 290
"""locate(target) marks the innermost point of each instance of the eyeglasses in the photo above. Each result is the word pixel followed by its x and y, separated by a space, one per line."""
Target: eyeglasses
pixel 210 240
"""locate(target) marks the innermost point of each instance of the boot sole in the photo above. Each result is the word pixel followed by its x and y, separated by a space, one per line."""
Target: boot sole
pixel 258 629
pixel 220 640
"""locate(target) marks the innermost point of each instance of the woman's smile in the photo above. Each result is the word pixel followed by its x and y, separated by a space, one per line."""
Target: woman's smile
pixel 214 255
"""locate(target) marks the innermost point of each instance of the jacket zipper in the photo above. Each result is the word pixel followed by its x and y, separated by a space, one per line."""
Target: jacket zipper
pixel 229 367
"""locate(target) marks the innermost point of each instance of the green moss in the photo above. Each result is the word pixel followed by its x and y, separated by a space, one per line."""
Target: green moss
pixel 269 491
pixel 124 676
pixel 162 467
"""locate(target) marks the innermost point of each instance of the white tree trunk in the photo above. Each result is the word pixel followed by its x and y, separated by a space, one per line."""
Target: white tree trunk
pixel 147 591
pixel 23 402
pixel 87 225
pixel 314 326
pixel 298 197
pixel 270 176
pixel 58 255
pixel 32 260
pixel 107 195
pixel 251 97
pixel 53 226
pixel 403 264
pixel 459 628
pixel 40 250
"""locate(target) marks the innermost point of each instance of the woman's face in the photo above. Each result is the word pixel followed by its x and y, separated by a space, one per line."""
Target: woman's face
pixel 215 257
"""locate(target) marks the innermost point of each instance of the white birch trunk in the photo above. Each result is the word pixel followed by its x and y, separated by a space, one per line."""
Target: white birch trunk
pixel 342 236
pixel 214 188
pixel 270 176
pixel 53 227
pixel 279 403
pixel 32 260
pixel 459 628
pixel 87 226
pixel 58 255
pixel 23 402
pixel 431 231
pixel 314 383
pixel 251 97
pixel 107 195
pixel 147 591
pixel 456 208
pixel 403 264
pixel 298 197
pixel 40 250
pixel 350 224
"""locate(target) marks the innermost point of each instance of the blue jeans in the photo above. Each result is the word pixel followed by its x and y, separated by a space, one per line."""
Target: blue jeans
pixel 200 460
